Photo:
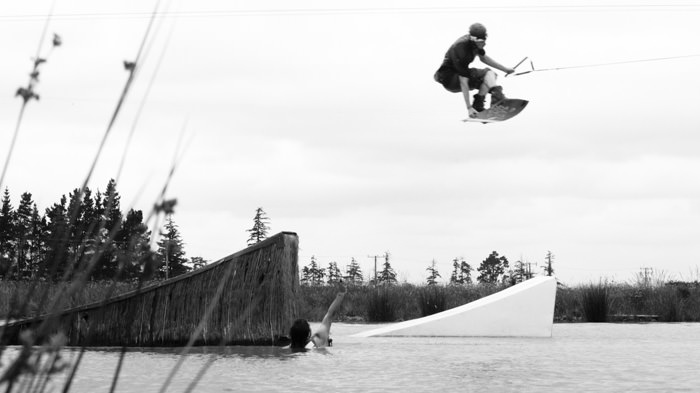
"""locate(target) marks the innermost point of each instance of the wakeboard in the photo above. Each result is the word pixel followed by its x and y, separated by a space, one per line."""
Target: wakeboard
pixel 504 110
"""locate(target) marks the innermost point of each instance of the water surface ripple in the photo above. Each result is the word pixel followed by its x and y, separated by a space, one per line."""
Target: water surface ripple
pixel 579 357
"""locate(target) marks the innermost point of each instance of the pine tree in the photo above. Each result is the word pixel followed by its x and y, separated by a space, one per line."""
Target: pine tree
pixel 354 273
pixel 23 229
pixel 465 272
pixel 37 247
pixel 387 275
pixel 522 271
pixel 198 263
pixel 317 273
pixel 88 221
pixel 492 269
pixel 548 260
pixel 171 251
pixel 334 276
pixel 112 205
pixel 98 204
pixel 260 227
pixel 96 237
pixel 7 230
pixel 133 243
pixel 77 227
pixel 432 277
pixel 105 250
pixel 454 277
pixel 107 208
pixel 312 274
pixel 91 231
pixel 518 273
pixel 305 276
pixel 461 272
pixel 7 234
pixel 54 263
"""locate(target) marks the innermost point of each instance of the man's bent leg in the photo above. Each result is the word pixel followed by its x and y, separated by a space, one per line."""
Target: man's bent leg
pixel 490 86
pixel 478 104
pixel 489 82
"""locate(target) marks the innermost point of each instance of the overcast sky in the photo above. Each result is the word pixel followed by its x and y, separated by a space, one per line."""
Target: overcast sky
pixel 326 115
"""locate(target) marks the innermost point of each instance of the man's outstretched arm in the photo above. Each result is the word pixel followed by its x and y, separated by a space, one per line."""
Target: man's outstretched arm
pixel 320 337
pixel 493 63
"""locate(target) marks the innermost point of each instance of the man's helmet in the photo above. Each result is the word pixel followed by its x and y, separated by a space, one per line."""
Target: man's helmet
pixel 477 30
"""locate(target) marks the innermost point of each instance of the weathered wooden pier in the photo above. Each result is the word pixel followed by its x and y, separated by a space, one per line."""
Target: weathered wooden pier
pixel 247 298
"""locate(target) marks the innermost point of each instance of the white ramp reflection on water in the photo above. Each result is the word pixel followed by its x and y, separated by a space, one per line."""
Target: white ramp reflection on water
pixel 578 357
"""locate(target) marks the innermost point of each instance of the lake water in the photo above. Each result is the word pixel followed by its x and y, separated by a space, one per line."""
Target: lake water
pixel 651 357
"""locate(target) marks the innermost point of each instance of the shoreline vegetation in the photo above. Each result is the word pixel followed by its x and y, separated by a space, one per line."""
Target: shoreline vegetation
pixel 673 301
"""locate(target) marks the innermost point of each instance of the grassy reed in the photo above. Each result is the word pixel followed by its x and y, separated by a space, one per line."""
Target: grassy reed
pixel 599 302
pixel 672 302
pixel 665 301
pixel 595 302
pixel 43 345
pixel 389 303
pixel 382 304
pixel 432 299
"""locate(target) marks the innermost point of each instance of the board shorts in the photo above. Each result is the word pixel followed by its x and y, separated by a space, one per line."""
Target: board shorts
pixel 449 78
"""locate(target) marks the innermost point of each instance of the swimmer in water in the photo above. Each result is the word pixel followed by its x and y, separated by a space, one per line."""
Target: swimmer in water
pixel 300 332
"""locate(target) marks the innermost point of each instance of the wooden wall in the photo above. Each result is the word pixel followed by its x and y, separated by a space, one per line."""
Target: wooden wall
pixel 247 298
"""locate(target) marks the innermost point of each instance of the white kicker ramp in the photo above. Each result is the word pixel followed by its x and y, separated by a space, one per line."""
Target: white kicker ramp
pixel 523 310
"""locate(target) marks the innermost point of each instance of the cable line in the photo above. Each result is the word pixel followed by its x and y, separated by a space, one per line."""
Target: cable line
pixel 365 10
pixel 601 64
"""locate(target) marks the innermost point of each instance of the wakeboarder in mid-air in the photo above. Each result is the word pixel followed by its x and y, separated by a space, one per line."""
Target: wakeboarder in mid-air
pixel 456 76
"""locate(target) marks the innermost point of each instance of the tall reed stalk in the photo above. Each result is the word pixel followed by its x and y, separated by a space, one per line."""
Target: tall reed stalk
pixel 49 346
pixel 432 299
pixel 595 302
pixel 382 305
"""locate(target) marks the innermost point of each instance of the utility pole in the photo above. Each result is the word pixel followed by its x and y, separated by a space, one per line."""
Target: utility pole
pixel 549 258
pixel 528 271
pixel 375 266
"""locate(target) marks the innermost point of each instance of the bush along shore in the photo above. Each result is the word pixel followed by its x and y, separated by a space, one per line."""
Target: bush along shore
pixel 674 301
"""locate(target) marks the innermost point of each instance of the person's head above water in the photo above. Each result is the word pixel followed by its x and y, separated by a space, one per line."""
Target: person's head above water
pixel 300 333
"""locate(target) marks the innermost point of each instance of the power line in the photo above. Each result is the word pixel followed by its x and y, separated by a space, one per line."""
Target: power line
pixel 365 10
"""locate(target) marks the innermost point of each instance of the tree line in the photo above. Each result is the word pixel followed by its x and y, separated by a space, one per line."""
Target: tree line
pixel 86 232
pixel 494 269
